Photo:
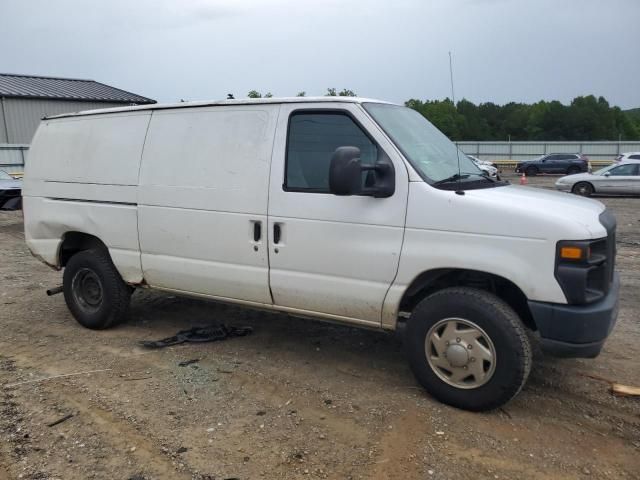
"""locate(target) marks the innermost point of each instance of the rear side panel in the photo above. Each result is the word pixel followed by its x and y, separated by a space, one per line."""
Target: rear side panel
pixel 100 149
pixel 81 175
pixel 47 220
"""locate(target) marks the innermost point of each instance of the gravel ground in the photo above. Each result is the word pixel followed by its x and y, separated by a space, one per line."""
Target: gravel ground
pixel 297 399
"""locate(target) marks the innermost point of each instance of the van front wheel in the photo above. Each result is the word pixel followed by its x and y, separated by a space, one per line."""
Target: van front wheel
pixel 468 348
pixel 94 291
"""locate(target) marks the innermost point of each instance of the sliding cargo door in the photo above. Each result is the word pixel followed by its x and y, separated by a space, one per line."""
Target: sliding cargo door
pixel 203 200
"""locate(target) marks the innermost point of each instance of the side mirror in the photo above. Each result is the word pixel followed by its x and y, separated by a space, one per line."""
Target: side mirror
pixel 345 175
pixel 345 171
pixel 607 174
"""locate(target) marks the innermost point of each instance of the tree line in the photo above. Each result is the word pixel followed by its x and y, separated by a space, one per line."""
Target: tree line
pixel 586 118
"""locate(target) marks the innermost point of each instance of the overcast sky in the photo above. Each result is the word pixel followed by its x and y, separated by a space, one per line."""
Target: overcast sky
pixel 503 50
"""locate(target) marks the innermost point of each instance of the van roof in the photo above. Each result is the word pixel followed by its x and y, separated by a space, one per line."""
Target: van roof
pixel 243 101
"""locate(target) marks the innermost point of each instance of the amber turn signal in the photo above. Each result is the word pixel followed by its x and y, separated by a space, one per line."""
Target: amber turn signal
pixel 571 253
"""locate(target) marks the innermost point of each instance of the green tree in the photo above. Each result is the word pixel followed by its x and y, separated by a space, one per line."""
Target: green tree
pixel 442 113
pixel 472 126
pixel 257 94
pixel 585 118
pixel 626 128
pixel 345 92
pixel 515 118
pixel 491 113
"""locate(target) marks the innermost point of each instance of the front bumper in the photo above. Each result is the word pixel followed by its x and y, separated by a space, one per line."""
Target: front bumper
pixel 576 330
pixel 564 187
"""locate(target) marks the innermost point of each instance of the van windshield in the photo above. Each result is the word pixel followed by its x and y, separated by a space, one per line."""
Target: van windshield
pixel 431 153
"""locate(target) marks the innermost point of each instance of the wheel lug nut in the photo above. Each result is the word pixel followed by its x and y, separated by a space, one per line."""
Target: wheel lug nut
pixel 465 367
pixel 458 339
pixel 469 346
pixel 473 359
pixel 447 344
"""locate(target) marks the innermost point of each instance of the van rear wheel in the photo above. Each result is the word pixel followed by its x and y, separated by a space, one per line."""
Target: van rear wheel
pixel 468 348
pixel 94 292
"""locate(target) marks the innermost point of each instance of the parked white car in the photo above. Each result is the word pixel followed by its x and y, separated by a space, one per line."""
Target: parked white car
pixel 484 162
pixel 343 209
pixel 618 179
pixel 623 157
pixel 485 167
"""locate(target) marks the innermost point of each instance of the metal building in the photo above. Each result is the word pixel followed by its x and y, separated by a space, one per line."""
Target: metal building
pixel 25 99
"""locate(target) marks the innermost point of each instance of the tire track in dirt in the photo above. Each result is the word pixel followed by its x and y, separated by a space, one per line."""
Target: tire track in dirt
pixel 395 459
pixel 127 449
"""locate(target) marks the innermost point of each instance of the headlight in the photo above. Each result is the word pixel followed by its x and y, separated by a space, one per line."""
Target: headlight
pixel 581 269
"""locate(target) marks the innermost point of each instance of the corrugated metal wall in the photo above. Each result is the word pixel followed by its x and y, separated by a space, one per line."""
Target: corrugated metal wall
pixel 3 125
pixel 519 151
pixel 22 115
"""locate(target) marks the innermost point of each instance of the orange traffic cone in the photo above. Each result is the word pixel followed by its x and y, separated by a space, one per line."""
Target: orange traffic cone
pixel 523 179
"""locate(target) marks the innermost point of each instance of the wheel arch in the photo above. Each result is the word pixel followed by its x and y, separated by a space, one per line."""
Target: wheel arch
pixel 74 242
pixel 431 281
pixel 593 188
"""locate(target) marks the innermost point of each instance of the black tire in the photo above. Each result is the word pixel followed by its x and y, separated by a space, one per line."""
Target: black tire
pixel 584 189
pixel 573 170
pixel 95 293
pixel 502 326
pixel 531 171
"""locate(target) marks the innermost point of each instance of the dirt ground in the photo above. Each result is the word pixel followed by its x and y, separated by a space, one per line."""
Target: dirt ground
pixel 297 399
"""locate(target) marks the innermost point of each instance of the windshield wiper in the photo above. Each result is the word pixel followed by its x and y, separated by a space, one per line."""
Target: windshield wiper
pixel 453 178
pixel 487 176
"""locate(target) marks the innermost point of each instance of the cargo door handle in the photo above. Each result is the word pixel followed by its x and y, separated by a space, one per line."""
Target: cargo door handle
pixel 257 231
pixel 277 232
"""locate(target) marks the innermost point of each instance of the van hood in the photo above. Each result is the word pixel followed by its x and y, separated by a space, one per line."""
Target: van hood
pixel 543 207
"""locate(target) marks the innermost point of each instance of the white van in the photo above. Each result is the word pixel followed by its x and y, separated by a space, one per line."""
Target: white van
pixel 343 209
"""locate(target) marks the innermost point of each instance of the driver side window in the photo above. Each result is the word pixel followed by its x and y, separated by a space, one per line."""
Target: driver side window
pixel 312 139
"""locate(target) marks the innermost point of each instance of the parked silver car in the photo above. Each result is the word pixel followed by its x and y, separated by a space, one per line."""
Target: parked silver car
pixel 619 178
